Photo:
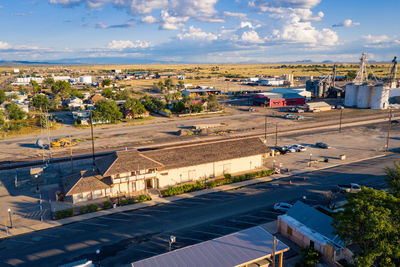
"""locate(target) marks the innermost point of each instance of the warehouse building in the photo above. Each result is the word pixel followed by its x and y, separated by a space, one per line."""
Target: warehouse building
pixel 131 172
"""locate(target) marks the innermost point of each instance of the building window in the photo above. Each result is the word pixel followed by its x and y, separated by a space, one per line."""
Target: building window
pixel 289 231
pixel 79 196
pixel 312 244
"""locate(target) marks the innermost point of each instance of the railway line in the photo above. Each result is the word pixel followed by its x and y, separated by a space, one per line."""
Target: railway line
pixel 283 131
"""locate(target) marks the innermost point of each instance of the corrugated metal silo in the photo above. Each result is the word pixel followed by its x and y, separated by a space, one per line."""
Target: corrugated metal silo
pixel 350 99
pixel 364 96
pixel 380 97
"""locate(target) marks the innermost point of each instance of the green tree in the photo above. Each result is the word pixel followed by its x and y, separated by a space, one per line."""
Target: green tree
pixel 392 177
pixel 106 82
pixel 153 104
pixel 371 222
pixel 134 105
pixel 76 93
pixel 49 82
pixel 2 96
pixel 14 112
pixel 41 102
pixel 309 257
pixel 107 92
pixel 106 110
pixel 181 84
pixel 35 87
pixel 351 75
pixel 212 103
pixel 62 88
pixel 56 102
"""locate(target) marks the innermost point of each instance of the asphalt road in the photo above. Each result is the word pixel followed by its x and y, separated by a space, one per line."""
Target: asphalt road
pixel 130 236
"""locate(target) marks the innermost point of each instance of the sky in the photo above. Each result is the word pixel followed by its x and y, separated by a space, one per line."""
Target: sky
pixel 199 31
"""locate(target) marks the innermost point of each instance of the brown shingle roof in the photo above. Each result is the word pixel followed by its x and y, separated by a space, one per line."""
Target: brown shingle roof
pixel 209 152
pixel 125 161
pixel 84 181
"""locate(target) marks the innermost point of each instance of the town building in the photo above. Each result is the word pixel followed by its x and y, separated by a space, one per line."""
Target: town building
pixel 131 172
pixel 318 106
pixel 249 247
pixel 200 91
pixel 278 99
pixel 307 226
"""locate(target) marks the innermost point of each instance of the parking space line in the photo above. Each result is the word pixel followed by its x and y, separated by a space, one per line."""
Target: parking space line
pixel 204 232
pixel 95 224
pixel 19 241
pixel 270 212
pixel 240 221
pixel 156 210
pixel 55 236
pixel 188 238
pixel 141 214
pixel 252 216
pixel 73 229
pixel 224 226
pixel 146 251
pixel 113 219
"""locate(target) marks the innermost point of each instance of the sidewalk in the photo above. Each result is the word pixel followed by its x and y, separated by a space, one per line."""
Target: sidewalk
pixel 158 200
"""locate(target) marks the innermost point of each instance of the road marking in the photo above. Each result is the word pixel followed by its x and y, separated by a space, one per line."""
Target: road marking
pixel 55 236
pixel 252 216
pixel 270 212
pixel 188 238
pixel 141 214
pixel 224 226
pixel 150 252
pixel 73 229
pixel 240 221
pixel 95 224
pixel 156 210
pixel 204 232
pixel 114 219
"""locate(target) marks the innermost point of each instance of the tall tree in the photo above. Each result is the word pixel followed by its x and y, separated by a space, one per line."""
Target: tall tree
pixel 48 82
pixel 41 102
pixel 371 221
pixel 212 103
pixel 134 105
pixel 393 179
pixel 2 96
pixel 62 88
pixel 106 110
pixel 35 87
pixel 14 112
pixel 107 82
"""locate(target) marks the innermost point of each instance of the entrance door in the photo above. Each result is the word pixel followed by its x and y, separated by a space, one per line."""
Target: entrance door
pixel 149 183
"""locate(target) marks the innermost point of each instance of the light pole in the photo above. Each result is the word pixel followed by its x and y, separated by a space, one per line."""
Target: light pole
pixel 310 159
pixel 172 240
pixel 98 256
pixel 9 215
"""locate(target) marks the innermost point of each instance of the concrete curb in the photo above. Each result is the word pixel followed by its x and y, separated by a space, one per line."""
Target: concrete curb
pixel 158 201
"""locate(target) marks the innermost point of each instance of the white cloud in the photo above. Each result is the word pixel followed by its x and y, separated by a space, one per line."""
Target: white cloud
pixel 264 5
pixel 380 41
pixel 251 37
pixel 171 22
pixel 346 23
pixel 196 34
pixel 245 24
pixel 370 39
pixel 4 45
pixel 234 15
pixel 149 19
pixel 121 44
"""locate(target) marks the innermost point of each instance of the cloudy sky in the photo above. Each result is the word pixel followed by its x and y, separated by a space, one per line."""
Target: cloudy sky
pixel 199 31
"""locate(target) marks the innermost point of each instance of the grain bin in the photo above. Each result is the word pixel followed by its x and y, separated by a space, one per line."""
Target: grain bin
pixel 364 96
pixel 350 99
pixel 380 97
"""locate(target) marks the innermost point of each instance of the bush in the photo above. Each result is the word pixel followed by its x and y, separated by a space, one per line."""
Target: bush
pixel 107 205
pixel 88 209
pixel 211 184
pixel 123 202
pixel 228 176
pixel 143 198
pixel 309 257
pixel 61 214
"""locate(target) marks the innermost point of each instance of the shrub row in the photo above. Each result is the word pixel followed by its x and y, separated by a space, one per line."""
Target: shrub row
pixel 88 209
pixel 141 198
pixel 61 214
pixel 180 189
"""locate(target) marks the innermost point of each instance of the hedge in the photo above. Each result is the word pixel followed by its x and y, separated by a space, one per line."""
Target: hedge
pixel 107 205
pixel 61 214
pixel 88 209
pixel 180 189
pixel 132 200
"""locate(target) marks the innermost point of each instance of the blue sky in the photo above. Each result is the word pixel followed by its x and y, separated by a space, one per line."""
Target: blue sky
pixel 199 31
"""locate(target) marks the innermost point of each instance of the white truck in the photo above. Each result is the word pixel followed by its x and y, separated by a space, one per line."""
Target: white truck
pixel 349 188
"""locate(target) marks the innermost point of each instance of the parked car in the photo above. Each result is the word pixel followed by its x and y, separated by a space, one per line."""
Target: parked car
pixel 252 109
pixel 299 148
pixel 283 207
pixel 339 107
pixel 289 116
pixel 300 118
pixel 281 150
pixel 289 149
pixel 322 145
pixel 349 188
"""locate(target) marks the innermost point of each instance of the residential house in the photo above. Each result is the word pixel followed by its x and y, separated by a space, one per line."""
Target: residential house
pixel 132 172
pixel 307 226
pixel 96 97
pixel 129 115
pixel 75 103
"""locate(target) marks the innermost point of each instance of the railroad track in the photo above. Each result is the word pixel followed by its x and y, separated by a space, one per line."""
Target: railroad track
pixel 260 133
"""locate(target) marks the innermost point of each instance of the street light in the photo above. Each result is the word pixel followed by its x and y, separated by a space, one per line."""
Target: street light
pixel 9 215
pixel 172 240
pixel 98 256
pixel 310 157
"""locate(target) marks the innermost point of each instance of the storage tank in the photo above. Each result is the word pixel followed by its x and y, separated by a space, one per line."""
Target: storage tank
pixel 85 79
pixel 364 96
pixel 380 97
pixel 350 99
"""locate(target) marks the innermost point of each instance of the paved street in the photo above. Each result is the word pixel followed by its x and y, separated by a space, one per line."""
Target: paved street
pixel 130 236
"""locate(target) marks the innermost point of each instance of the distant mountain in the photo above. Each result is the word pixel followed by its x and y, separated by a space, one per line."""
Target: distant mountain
pixel 21 62
pixel 304 61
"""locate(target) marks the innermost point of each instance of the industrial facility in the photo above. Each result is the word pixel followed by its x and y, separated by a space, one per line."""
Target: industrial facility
pixel 362 93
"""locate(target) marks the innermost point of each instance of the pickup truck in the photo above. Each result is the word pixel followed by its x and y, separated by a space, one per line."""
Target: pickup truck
pixel 349 188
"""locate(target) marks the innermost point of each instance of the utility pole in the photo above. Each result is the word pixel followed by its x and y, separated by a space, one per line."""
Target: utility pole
pixel 388 134
pixel 265 128
pixel 70 150
pixel 273 252
pixel 91 129
pixel 340 121
pixel 276 135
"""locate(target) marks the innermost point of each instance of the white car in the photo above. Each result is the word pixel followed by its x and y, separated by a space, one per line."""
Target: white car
pixel 282 206
pixel 289 149
pixel 299 148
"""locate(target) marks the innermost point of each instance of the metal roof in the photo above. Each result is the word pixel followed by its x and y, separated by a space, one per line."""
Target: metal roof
pixel 315 220
pixel 231 250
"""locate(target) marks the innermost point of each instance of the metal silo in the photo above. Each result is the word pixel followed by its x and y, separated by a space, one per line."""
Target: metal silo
pixel 380 97
pixel 350 99
pixel 364 96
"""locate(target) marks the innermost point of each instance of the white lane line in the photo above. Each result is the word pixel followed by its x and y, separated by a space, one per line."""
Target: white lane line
pixel 204 232
pixel 270 212
pixel 252 216
pixel 141 214
pixel 149 252
pixel 224 226
pixel 95 224
pixel 188 238
pixel 156 210
pixel 55 236
pixel 73 229
pixel 245 222
pixel 114 219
